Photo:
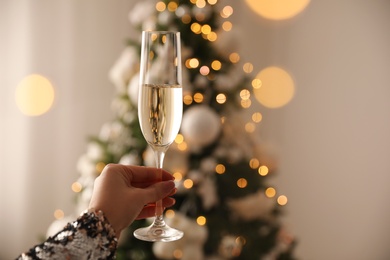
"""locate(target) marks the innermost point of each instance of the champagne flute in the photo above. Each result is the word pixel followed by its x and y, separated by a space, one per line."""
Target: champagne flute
pixel 160 109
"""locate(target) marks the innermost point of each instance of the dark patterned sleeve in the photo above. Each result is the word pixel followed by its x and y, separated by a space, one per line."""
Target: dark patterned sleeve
pixel 89 237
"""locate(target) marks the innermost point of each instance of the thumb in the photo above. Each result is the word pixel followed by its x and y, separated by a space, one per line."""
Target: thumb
pixel 158 191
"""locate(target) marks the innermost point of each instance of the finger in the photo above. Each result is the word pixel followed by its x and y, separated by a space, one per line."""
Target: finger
pixel 150 209
pixel 173 192
pixel 158 191
pixel 146 175
pixel 166 202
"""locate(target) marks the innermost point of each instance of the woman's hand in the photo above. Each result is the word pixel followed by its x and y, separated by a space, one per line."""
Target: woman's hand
pixel 125 193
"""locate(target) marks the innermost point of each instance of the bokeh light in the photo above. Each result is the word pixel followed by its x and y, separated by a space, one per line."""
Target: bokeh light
pixel 220 169
pixel 257 117
pixel 201 220
pixel 227 11
pixel 250 127
pixel 198 97
pixel 188 183
pixel 177 254
pixel 160 6
pixel 254 163
pixel 170 213
pixel 242 183
pixel 76 187
pixel 270 192
pixel 277 88
pixel 263 170
pixel 277 9
pixel 221 98
pixel 178 176
pixel 234 57
pixel 282 200
pixel 34 95
pixel 59 214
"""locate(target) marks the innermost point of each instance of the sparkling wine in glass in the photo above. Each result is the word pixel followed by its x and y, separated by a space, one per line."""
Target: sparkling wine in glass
pixel 160 110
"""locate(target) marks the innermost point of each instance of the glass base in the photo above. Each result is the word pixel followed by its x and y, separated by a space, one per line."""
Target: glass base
pixel 155 233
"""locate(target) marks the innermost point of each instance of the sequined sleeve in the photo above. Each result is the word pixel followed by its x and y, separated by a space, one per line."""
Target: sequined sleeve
pixel 89 237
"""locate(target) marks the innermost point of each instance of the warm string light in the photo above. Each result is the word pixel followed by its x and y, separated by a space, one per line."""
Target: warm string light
pixel 282 200
pixel 178 176
pixel 227 26
pixel 177 254
pixel 187 100
pixel 220 169
pixel 216 65
pixel 242 183
pixel 160 6
pixel 201 220
pixel 100 166
pixel 59 214
pixel 198 97
pixel 254 163
pixel 250 127
pixel 180 143
pixel 200 3
pixel 247 67
pixel 270 192
pixel 77 187
pixel 212 2
pixel 170 213
pixel 257 117
pixel 263 170
pixel 234 57
pixel 172 6
pixel 204 70
pixel 188 183
pixel 226 12
pixel 221 98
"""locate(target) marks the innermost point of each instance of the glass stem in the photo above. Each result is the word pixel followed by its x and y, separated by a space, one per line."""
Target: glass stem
pixel 159 155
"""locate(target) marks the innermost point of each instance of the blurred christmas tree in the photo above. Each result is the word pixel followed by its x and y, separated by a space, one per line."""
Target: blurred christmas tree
pixel 224 206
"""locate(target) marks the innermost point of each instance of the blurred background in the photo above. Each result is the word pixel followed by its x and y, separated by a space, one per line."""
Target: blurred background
pixel 329 136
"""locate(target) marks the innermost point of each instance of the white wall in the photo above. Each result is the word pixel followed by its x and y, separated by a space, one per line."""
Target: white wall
pixel 74 44
pixel 331 142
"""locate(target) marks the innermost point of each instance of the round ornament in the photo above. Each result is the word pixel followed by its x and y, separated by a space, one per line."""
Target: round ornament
pixel 132 89
pixel 201 125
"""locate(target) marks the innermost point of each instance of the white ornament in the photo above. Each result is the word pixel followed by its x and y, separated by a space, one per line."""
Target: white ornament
pixel 165 17
pixel 182 10
pixel 230 80
pixel 208 165
pixel 141 11
pixel 111 131
pixel 201 81
pixel 227 42
pixel 253 206
pixel 132 89
pixel 176 160
pixel 121 106
pixel 129 159
pixel 86 167
pixel 229 247
pixel 95 151
pixel 208 192
pixel 201 125
pixel 191 245
pixel 124 68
